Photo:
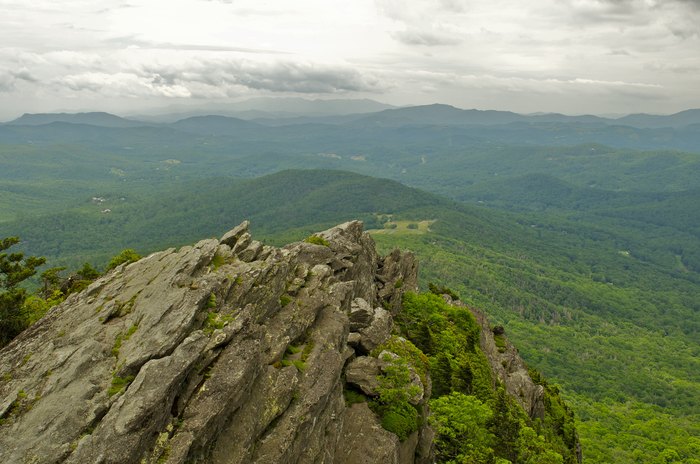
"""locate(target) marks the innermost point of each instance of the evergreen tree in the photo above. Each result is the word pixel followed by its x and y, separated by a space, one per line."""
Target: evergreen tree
pixel 14 269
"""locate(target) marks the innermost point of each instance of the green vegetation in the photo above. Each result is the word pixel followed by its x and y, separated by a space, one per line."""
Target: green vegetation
pixel 125 256
pixel 574 328
pixel 218 261
pixel 121 338
pixel 119 384
pixel 15 315
pixel 442 290
pixel 402 227
pixel 474 422
pixel 587 254
pixel 353 397
pixel 317 240
pixel 217 321
pixel 393 405
pixel 296 356
pixel 462 428
pixel 449 337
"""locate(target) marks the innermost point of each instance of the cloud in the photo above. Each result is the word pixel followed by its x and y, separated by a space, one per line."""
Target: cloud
pixel 619 52
pixel 133 41
pixel 217 78
pixel 425 37
pixel 280 76
pixel 467 52
pixel 122 85
pixel 419 10
pixel 9 79
pixel 680 17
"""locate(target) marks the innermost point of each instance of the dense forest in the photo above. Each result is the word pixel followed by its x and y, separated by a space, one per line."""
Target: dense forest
pixel 587 254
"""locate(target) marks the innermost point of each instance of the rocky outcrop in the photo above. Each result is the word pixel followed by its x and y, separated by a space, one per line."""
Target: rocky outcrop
pixel 227 351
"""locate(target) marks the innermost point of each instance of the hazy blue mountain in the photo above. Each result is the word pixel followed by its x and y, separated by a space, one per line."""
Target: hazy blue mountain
pixel 294 111
pixel 557 117
pixel 214 125
pixel 437 114
pixel 303 106
pixel 270 108
pixel 681 119
pixel 94 119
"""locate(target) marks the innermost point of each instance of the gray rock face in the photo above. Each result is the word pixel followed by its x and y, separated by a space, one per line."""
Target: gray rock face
pixel 363 373
pixel 398 273
pixel 365 440
pixel 361 314
pixel 222 352
pixel 378 331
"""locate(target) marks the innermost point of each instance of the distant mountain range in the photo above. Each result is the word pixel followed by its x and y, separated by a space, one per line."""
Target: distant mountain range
pixel 358 113
pixel 284 109
pixel 95 119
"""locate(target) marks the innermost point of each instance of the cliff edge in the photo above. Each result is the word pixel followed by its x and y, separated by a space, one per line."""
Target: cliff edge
pixel 228 351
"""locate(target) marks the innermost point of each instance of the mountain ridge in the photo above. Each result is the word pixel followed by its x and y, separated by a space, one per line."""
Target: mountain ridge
pixel 230 351
pixel 385 115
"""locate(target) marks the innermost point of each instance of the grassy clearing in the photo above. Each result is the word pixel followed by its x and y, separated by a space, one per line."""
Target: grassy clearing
pixel 405 227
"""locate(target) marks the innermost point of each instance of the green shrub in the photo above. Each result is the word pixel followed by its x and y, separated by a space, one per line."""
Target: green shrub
pixel 407 351
pixel 317 240
pixel 412 225
pixel 285 300
pixel 119 384
pixel 217 261
pixel 500 343
pixel 353 397
pixel 216 321
pixel 401 419
pixel 125 256
pixel 450 336
pixel 393 407
pixel 298 363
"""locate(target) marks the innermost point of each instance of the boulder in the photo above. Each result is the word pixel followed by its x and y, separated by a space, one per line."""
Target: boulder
pixel 231 237
pixel 378 331
pixel 363 373
pixel 361 314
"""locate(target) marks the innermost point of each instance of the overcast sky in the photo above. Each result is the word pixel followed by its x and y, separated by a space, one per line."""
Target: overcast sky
pixel 570 56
